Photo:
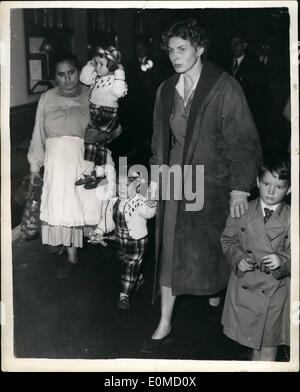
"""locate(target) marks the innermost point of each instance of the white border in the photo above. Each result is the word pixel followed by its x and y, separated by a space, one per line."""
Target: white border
pixel 9 362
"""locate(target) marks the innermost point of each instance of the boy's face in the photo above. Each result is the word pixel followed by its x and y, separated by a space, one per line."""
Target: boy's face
pixel 126 189
pixel 101 66
pixel 272 190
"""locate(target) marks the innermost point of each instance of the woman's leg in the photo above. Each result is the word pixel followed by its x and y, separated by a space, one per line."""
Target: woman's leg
pixel 167 306
pixel 72 252
pixel 65 270
pixel 265 354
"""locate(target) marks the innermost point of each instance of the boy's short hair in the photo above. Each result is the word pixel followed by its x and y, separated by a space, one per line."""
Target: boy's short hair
pixel 279 166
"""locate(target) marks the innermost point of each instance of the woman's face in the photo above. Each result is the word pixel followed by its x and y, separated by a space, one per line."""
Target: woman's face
pixel 67 76
pixel 183 55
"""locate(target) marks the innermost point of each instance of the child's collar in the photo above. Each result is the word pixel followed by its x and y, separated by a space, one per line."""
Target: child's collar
pixel 130 198
pixel 264 205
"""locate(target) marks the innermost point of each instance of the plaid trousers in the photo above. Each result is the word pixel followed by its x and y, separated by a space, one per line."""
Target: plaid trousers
pixel 105 121
pixel 130 253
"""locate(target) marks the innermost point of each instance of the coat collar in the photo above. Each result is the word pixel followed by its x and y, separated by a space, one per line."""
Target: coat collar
pixel 209 75
pixel 276 216
pixel 274 227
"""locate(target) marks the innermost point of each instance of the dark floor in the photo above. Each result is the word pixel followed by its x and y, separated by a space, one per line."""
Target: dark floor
pixel 78 318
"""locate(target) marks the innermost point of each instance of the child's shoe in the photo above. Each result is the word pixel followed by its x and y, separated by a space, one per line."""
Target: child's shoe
pixel 124 302
pixel 86 178
pixel 95 182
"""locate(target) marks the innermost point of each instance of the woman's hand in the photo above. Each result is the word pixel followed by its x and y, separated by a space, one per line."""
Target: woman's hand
pixel 238 203
pixel 35 176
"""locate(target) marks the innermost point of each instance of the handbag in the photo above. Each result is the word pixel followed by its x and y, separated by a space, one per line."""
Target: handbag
pixel 30 222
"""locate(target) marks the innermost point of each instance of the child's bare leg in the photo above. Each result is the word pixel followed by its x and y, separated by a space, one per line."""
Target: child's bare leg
pixel 265 354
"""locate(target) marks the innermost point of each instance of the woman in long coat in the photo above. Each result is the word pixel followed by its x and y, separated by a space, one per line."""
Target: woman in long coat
pixel 201 117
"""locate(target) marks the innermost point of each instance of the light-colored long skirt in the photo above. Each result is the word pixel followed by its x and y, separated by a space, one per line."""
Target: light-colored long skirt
pixel 65 208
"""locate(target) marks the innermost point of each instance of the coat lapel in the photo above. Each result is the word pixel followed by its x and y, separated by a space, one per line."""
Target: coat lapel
pixel 209 75
pixel 266 232
pixel 167 99
pixel 275 225
pixel 258 229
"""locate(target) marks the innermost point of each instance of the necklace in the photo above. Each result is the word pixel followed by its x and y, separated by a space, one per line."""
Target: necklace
pixel 72 94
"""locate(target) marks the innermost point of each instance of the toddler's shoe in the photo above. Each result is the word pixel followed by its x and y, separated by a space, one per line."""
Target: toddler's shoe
pixel 95 182
pixel 124 302
pixel 86 178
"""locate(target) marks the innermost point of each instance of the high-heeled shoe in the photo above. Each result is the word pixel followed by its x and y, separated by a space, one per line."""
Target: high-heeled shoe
pixel 152 345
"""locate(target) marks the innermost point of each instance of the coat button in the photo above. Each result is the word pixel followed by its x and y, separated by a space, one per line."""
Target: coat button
pixel 263 291
pixel 244 287
pixel 243 229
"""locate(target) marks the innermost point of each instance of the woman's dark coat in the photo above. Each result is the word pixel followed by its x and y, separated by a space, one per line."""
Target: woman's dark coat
pixel 221 135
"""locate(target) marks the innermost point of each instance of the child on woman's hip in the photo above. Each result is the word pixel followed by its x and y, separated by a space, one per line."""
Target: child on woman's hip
pixel 106 78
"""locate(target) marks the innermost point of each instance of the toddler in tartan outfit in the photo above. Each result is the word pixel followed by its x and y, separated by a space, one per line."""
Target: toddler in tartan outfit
pixel 106 78
pixel 127 216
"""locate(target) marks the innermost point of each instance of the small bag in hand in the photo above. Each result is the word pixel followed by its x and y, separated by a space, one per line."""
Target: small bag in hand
pixel 30 223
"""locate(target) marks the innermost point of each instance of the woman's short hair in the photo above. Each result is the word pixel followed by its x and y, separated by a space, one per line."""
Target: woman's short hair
pixel 189 29
pixel 66 57
pixel 112 55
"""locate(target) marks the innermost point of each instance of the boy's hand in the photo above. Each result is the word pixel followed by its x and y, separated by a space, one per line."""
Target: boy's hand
pixel 96 238
pixel 152 192
pixel 246 265
pixel 271 261
pixel 238 203
pixel 151 203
